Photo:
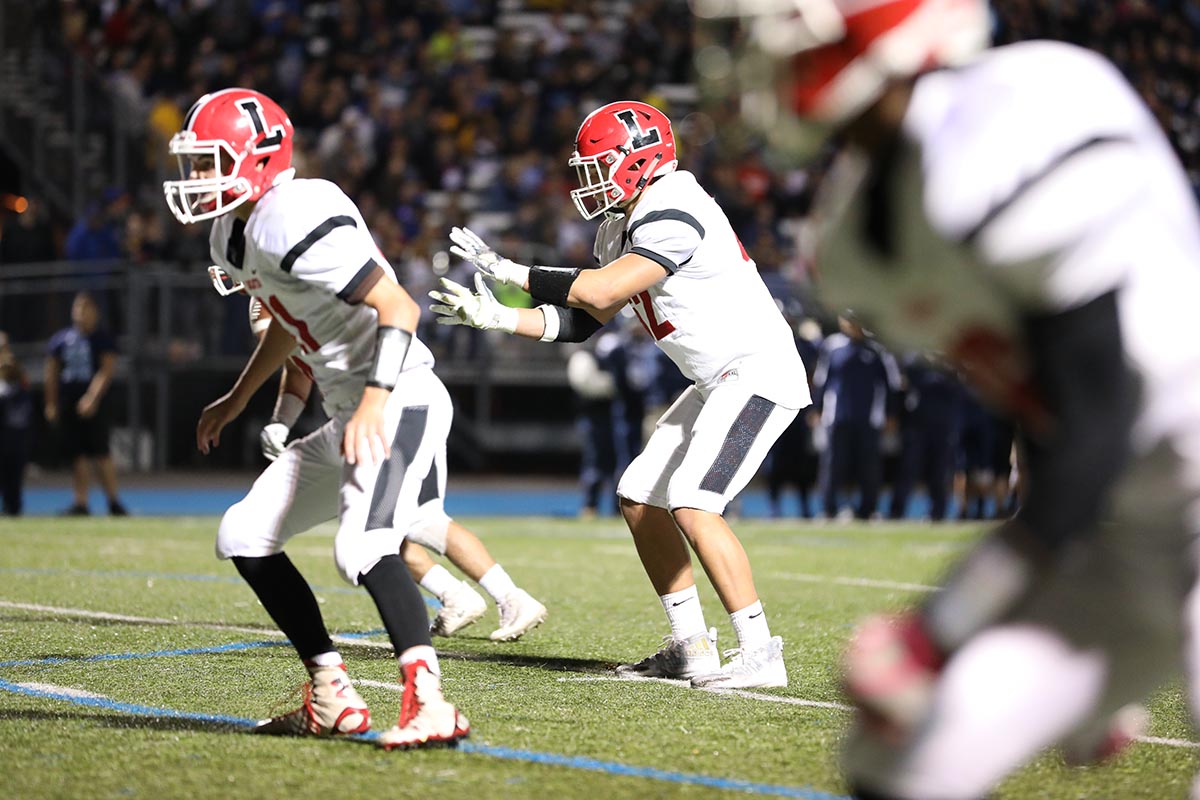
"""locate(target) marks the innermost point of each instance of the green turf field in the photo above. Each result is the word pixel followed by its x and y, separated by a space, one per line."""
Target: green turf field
pixel 131 662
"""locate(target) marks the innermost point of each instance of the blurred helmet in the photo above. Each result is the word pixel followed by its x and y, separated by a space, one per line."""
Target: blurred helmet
pixel 248 138
pixel 618 149
pixel 829 60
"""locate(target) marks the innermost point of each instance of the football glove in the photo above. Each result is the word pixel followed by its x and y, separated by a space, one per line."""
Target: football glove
pixel 470 247
pixel 456 305
pixel 273 439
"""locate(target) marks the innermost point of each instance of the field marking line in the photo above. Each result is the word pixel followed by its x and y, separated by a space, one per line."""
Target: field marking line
pixel 359 641
pixel 798 701
pixel 45 691
pixel 868 583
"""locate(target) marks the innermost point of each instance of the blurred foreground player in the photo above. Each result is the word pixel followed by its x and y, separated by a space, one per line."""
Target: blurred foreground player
pixel 1022 214
pixel 301 248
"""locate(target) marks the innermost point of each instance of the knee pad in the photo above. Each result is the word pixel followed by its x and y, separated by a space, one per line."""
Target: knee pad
pixel 235 534
pixel 430 531
pixel 356 551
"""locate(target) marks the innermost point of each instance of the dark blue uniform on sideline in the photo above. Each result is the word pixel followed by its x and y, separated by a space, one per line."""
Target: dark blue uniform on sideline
pixel 929 430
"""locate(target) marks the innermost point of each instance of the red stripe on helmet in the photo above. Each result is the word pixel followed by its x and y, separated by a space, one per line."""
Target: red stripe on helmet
pixel 816 69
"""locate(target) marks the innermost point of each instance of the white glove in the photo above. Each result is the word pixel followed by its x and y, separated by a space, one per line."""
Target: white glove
pixel 470 247
pixel 457 306
pixel 273 439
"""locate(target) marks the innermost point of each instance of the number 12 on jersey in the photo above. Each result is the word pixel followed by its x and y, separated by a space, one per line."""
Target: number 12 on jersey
pixel 644 309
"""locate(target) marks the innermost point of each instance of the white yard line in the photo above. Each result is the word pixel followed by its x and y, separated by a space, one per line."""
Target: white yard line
pixel 394 687
pixel 67 690
pixel 869 583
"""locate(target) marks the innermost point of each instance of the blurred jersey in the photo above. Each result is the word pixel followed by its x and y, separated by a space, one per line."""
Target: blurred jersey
pixel 304 245
pixel 712 313
pixel 1032 181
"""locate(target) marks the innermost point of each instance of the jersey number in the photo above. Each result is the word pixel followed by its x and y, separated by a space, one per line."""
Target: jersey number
pixel 299 329
pixel 656 328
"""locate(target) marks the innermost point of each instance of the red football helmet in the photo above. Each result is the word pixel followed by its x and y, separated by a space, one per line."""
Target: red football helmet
pixel 618 149
pixel 837 56
pixel 248 138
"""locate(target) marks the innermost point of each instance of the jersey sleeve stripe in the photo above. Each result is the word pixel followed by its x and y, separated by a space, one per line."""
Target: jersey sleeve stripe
pixel 664 262
pixel 1027 184
pixel 317 234
pixel 669 213
pixel 363 281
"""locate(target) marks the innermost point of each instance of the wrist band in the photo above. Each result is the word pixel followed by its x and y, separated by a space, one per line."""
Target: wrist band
pixel 391 346
pixel 288 409
pixel 553 322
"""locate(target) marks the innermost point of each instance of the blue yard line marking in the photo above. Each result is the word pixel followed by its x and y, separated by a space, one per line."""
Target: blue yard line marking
pixel 529 756
pixel 185 651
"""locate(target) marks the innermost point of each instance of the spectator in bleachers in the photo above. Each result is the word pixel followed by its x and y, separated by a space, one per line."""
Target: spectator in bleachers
pixel 929 433
pixel 16 429
pixel 856 383
pixel 79 370
pixel 98 234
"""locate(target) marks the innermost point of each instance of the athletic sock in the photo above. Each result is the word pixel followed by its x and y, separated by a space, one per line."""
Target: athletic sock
pixel 330 658
pixel 288 600
pixel 684 612
pixel 438 581
pixel 399 601
pixel 421 653
pixel 750 625
pixel 497 583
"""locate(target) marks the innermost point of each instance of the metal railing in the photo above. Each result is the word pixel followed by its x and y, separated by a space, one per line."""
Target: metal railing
pixel 181 345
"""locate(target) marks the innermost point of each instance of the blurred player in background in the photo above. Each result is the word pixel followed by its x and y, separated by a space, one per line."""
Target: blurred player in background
pixel 301 248
pixel 666 249
pixel 1021 213
pixel 16 429
pixel 79 370
pixel 461 605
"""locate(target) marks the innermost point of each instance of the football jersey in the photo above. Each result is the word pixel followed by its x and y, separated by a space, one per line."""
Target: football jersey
pixel 306 253
pixel 1032 180
pixel 711 314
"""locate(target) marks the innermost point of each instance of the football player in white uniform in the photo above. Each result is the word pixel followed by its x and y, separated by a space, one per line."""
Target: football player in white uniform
pixel 302 248
pixel 461 605
pixel 1021 213
pixel 668 250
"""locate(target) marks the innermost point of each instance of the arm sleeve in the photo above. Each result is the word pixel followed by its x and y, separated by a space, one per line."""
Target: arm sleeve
pixel 1092 396
pixel 574 324
pixel 668 237
pixel 338 256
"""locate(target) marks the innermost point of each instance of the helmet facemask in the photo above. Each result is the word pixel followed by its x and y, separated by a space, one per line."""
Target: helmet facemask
pixel 193 199
pixel 597 191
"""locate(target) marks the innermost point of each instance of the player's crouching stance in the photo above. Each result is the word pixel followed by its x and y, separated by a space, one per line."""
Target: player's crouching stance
pixel 1023 214
pixel 669 252
pixel 303 249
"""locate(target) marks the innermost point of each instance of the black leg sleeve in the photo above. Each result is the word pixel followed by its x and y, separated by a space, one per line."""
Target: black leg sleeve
pixel 399 601
pixel 289 600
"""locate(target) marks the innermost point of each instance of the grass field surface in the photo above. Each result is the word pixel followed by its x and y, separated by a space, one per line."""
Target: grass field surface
pixel 132 663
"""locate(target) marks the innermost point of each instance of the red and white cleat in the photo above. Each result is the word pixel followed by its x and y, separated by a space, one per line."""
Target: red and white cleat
pixel 1122 730
pixel 890 668
pixel 426 718
pixel 331 707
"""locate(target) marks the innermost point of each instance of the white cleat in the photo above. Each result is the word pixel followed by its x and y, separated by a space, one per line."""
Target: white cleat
pixel 680 659
pixel 426 718
pixel 331 707
pixel 759 668
pixel 519 613
pixel 461 606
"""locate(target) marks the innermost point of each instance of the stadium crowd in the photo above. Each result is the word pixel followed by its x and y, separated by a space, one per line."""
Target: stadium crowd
pixel 447 112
